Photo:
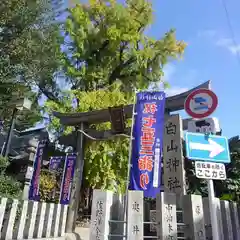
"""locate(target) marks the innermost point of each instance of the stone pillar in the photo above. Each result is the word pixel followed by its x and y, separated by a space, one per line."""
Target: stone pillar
pixel 219 218
pixel 207 218
pixel 116 223
pixel 226 220
pixel 100 216
pixel 193 217
pixel 166 214
pixel 235 221
pixel 135 215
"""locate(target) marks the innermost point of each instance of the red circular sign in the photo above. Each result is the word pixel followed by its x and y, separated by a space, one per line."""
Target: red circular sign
pixel 201 103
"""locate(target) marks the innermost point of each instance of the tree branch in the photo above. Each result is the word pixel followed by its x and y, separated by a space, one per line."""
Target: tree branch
pixel 97 52
pixel 116 73
pixel 48 94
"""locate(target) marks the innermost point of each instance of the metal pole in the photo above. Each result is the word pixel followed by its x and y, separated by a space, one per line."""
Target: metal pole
pixel 129 164
pixel 77 181
pixel 213 210
pixel 130 147
pixel 10 131
pixel 3 147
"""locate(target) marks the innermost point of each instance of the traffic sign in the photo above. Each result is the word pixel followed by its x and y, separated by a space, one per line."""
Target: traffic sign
pixel 208 125
pixel 210 170
pixel 201 103
pixel 207 147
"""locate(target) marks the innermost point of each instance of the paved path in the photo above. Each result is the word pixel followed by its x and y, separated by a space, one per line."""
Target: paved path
pixel 83 233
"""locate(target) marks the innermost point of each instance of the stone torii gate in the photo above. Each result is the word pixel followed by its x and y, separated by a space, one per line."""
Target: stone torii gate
pixel 82 120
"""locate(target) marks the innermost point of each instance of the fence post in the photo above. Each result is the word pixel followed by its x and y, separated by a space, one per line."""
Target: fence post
pixel 116 224
pixel 219 218
pixel 235 221
pixel 135 215
pixel 226 219
pixel 193 217
pixel 101 205
pixel 166 214
pixel 207 218
pixel 3 204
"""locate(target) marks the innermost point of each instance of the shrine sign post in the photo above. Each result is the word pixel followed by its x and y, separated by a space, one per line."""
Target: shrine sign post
pixel 82 120
pixel 211 150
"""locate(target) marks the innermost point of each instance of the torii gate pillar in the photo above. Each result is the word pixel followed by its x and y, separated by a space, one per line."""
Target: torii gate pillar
pixel 77 180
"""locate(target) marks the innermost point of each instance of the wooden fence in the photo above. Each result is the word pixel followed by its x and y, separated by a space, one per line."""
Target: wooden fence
pixel 27 219
pixel 186 217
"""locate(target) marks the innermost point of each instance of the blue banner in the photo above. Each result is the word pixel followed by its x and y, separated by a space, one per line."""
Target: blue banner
pixel 66 187
pixel 145 172
pixel 54 162
pixel 37 164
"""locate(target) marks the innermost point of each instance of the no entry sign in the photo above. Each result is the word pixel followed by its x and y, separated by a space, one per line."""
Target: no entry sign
pixel 201 103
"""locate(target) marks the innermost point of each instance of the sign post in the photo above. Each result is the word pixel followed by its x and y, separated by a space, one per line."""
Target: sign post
pixel 208 125
pixel 173 162
pixel 214 151
pixel 201 103
pixel 209 148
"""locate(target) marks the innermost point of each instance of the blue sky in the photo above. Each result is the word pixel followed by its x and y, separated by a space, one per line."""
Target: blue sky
pixel 210 53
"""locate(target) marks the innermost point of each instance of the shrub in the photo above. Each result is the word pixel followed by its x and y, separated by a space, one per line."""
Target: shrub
pixel 3 163
pixel 9 187
pixel 47 185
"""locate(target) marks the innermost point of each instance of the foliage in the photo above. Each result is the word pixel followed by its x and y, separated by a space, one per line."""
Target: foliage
pixel 231 186
pixel 107 55
pixel 47 185
pixel 9 187
pixel 29 54
pixel 9 94
pixel 105 43
pixel 4 163
pixel 105 161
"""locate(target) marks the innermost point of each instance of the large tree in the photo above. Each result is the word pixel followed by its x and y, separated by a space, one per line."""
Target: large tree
pixel 106 55
pixel 29 52
pixel 105 42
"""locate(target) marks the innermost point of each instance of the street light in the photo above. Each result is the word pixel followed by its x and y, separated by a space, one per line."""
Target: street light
pixel 20 104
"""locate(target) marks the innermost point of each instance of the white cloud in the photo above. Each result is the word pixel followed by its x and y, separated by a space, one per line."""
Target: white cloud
pixel 219 41
pixel 229 45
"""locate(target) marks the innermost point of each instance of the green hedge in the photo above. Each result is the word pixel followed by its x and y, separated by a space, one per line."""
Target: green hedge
pixel 9 187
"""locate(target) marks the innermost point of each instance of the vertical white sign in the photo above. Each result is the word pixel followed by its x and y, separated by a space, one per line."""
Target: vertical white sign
pixel 135 215
pixel 173 162
pixel 193 217
pixel 166 216
pixel 101 205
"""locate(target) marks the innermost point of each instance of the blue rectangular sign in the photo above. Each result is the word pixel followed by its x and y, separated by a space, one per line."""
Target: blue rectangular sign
pixel 205 147
pixel 66 186
pixel 37 164
pixel 55 162
pixel 145 173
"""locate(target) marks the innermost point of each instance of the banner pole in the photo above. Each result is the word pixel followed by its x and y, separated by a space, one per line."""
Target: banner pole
pixel 129 162
pixel 130 144
pixel 63 174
